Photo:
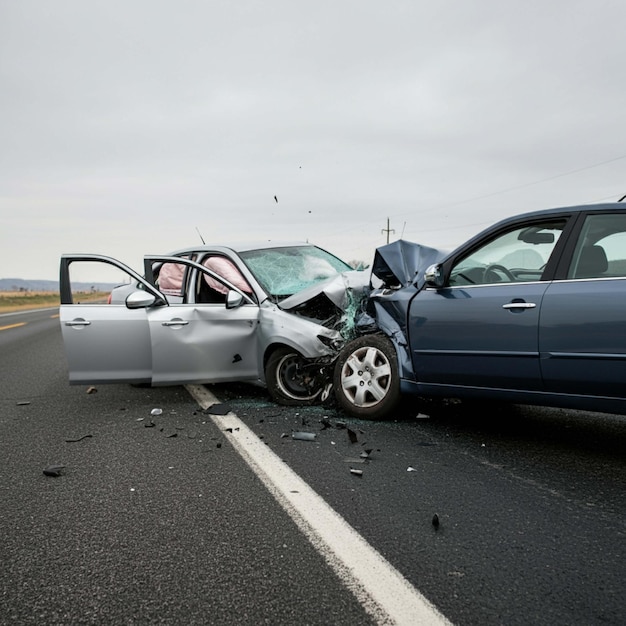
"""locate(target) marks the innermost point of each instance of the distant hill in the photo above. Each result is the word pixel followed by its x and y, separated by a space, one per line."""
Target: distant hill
pixel 19 284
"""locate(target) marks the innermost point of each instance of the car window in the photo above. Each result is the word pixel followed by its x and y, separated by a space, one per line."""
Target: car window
pixel 601 248
pixel 170 279
pixel 211 290
pixel 518 255
pixel 98 282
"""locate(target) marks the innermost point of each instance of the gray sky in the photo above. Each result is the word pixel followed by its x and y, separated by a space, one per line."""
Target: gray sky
pixel 127 124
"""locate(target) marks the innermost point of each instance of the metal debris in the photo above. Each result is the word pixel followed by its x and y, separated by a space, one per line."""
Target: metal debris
pixel 302 436
pixel 91 390
pixel 356 472
pixel 218 409
pixel 53 470
pixel 79 439
pixel 23 402
pixel 156 412
pixel 352 435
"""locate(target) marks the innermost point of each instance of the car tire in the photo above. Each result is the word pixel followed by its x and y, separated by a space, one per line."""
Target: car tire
pixel 291 380
pixel 366 379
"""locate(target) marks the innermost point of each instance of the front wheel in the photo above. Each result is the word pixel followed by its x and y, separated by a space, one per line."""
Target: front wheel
pixel 291 379
pixel 366 379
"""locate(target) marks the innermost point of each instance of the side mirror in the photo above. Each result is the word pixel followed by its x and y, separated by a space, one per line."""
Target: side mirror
pixel 233 299
pixel 140 300
pixel 433 276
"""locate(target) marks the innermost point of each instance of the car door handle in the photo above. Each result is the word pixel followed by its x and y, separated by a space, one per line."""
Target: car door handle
pixel 519 305
pixel 78 322
pixel 175 323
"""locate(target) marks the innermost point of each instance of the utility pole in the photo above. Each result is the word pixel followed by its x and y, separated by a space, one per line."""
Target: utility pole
pixel 387 230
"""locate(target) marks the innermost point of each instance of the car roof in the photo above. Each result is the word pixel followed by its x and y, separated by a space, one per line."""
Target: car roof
pixel 591 208
pixel 579 208
pixel 244 246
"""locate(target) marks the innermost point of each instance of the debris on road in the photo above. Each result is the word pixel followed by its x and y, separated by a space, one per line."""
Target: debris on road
pixel 303 436
pixel 156 412
pixel 23 403
pixel 79 439
pixel 436 521
pixel 218 409
pixel 53 470
pixel 356 472
pixel 91 390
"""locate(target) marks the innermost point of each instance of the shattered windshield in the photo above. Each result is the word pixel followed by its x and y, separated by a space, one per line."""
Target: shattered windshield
pixel 285 271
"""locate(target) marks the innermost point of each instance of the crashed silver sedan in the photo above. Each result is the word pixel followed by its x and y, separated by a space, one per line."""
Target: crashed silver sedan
pixel 274 314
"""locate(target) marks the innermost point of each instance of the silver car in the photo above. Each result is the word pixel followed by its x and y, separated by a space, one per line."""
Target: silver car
pixel 274 314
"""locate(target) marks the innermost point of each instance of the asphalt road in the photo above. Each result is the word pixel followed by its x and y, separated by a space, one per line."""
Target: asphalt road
pixel 168 524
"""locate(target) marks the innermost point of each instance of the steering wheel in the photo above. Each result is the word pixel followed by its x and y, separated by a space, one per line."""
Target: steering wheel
pixel 497 269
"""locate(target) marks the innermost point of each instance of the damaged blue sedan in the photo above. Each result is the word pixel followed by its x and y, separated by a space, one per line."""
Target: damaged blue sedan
pixel 531 310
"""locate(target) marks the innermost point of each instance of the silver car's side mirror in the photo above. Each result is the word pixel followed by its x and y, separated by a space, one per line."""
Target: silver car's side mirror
pixel 433 276
pixel 233 299
pixel 140 300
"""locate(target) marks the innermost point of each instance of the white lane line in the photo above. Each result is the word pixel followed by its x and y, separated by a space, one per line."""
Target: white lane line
pixel 380 588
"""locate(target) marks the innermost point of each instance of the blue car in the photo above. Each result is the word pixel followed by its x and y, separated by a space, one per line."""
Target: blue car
pixel 531 310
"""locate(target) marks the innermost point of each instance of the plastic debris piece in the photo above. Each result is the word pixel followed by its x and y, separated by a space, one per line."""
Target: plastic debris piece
pixel 327 388
pixel 172 435
pixel 302 436
pixel 356 472
pixel 23 402
pixel 53 470
pixel 340 424
pixel 91 390
pixel 325 422
pixel 79 439
pixel 436 521
pixel 218 409
pixel 237 358
pixel 411 469
pixel 365 454
pixel 352 435
pixel 422 416
pixel 156 412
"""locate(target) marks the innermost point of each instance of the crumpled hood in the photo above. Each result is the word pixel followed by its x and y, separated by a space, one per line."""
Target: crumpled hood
pixel 401 263
pixel 336 289
pixel 359 301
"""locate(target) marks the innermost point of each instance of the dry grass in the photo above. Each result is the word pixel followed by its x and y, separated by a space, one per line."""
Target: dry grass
pixel 15 301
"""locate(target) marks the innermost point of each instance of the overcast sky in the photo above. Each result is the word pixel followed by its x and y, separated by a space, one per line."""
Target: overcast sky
pixel 127 126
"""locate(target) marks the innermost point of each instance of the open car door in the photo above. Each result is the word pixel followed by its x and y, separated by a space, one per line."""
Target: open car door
pixel 105 343
pixel 133 332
